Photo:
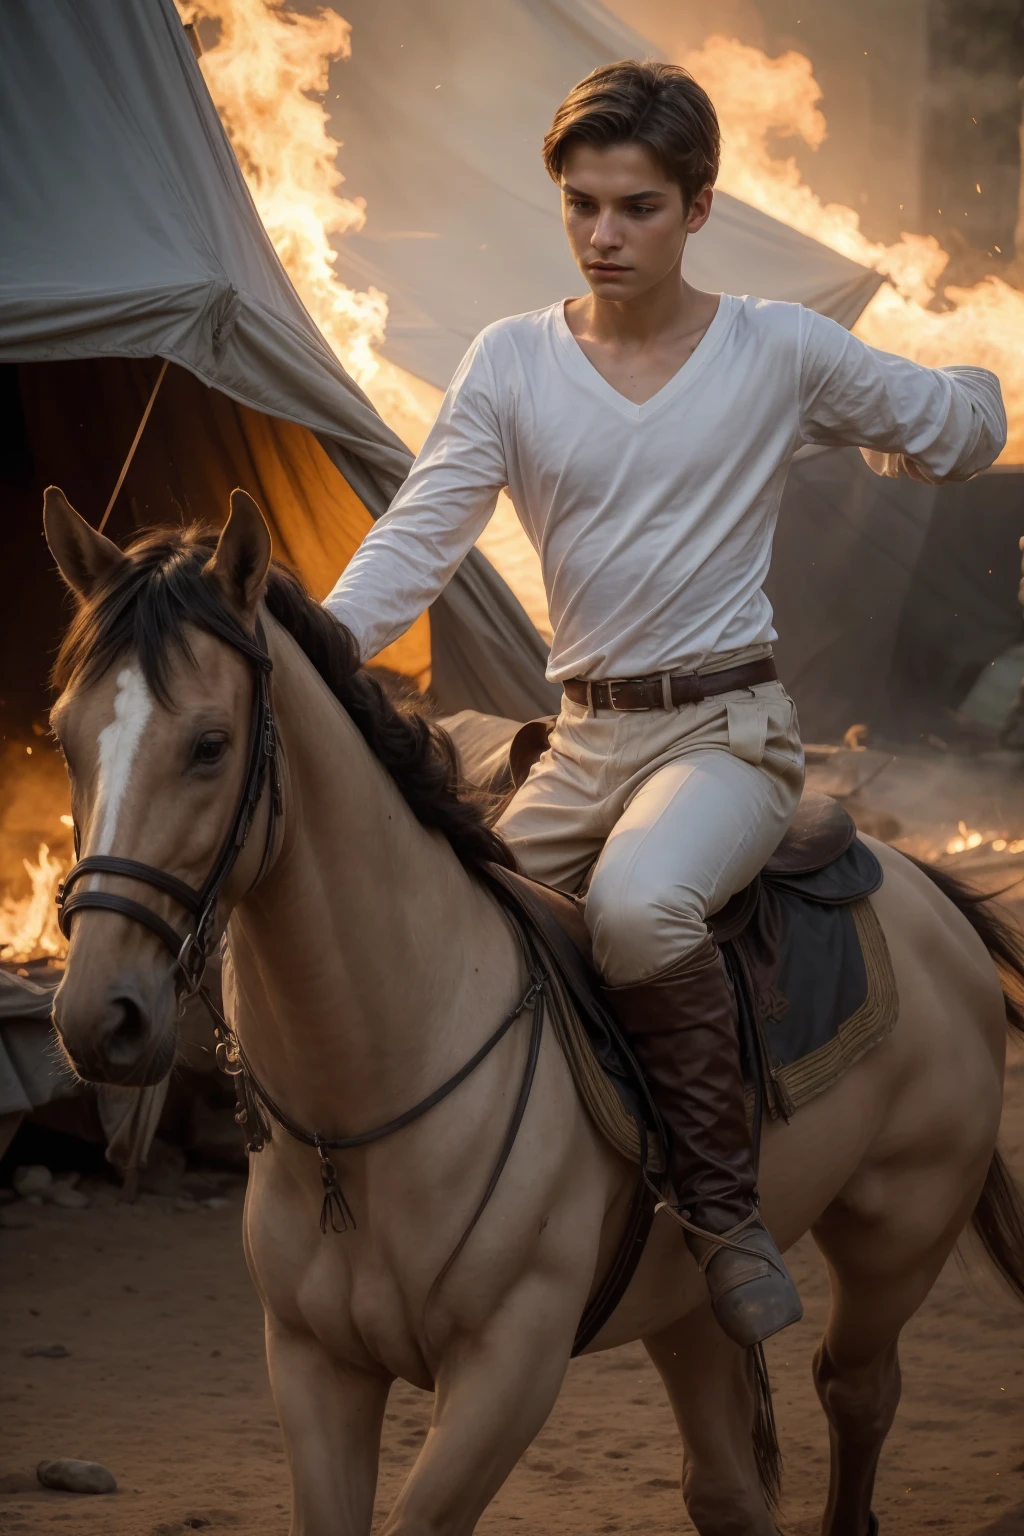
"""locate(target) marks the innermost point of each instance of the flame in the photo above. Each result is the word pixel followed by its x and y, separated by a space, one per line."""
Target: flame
pixel 757 96
pixel 969 839
pixel 28 926
pixel 265 73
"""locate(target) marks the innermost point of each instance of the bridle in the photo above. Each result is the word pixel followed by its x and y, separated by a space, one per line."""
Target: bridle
pixel 192 949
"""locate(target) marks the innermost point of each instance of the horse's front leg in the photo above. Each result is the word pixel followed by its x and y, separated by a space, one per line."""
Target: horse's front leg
pixel 331 1416
pixel 495 1387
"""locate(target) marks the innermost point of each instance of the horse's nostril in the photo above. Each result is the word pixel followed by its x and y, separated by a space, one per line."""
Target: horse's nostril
pixel 128 1035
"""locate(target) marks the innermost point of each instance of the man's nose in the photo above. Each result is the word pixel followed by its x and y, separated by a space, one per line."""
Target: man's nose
pixel 607 234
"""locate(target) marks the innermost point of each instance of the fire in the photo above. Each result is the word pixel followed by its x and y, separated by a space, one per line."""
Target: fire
pixel 28 927
pixel 265 72
pixel 969 839
pixel 757 96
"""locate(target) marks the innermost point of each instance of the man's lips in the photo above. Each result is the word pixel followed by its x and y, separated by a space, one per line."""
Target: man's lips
pixel 607 266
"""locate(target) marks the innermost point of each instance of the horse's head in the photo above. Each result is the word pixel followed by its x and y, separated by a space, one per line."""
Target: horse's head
pixel 157 692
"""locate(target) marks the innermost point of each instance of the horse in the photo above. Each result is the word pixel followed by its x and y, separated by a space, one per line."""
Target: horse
pixel 371 963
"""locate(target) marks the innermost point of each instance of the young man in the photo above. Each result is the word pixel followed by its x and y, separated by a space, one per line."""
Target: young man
pixel 644 433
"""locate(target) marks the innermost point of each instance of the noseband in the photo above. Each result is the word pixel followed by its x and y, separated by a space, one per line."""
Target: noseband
pixel 192 949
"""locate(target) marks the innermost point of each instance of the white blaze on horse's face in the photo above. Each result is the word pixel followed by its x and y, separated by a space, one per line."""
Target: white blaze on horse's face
pixel 118 744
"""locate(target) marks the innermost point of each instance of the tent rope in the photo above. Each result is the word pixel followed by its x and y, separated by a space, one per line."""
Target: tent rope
pixel 126 466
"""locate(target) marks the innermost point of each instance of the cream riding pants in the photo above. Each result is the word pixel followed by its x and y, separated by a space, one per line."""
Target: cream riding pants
pixel 682 806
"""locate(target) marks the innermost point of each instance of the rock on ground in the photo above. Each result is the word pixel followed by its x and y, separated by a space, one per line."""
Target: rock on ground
pixel 72 1476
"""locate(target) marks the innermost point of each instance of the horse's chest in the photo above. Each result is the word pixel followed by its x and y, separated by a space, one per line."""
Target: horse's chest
pixel 344 1294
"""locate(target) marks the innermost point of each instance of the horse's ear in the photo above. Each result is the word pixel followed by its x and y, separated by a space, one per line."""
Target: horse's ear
pixel 239 564
pixel 84 557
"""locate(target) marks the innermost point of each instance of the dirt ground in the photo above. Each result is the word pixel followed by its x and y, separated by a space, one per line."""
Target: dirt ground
pixel 165 1384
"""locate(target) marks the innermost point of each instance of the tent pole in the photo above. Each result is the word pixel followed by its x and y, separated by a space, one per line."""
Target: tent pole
pixel 135 443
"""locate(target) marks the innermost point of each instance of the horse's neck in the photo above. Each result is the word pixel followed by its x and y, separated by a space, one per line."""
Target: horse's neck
pixel 352 956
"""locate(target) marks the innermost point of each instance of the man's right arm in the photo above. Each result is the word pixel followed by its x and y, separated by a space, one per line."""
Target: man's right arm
pixel 413 551
pixel 930 424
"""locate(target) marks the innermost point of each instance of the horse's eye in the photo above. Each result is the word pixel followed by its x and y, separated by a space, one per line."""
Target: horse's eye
pixel 209 750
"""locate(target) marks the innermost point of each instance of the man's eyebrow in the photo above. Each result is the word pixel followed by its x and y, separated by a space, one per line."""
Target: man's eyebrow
pixel 630 197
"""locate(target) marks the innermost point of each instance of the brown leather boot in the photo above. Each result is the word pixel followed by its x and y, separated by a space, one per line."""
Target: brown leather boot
pixel 682 1028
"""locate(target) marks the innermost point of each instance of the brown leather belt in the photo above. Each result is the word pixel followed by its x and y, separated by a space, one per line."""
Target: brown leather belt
pixel 661 692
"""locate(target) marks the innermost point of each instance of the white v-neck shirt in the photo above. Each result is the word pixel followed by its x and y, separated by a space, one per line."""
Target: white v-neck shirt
pixel 654 522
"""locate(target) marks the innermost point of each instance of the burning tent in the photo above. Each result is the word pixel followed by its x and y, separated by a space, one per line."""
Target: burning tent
pixel 130 238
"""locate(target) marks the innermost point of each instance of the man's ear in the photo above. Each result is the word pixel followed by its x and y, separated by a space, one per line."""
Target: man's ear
pixel 239 564
pixel 84 557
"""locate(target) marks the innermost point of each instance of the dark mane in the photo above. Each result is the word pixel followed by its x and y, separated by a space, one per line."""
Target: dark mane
pixel 145 607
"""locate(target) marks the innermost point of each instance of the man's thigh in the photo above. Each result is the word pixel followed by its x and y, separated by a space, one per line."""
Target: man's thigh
pixel 556 823
pixel 697 831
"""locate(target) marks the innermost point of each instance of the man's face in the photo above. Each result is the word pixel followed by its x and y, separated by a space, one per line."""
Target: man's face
pixel 625 220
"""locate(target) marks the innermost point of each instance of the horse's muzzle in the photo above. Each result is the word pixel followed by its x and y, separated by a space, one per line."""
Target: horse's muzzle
pixel 118 1038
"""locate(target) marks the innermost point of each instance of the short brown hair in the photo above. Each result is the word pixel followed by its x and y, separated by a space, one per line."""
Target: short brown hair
pixel 660 106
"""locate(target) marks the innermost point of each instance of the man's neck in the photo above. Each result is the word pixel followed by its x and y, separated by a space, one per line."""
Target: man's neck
pixel 671 309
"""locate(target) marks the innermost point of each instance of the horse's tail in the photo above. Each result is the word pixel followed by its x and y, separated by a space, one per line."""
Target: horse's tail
pixel 998 1217
pixel 998 1221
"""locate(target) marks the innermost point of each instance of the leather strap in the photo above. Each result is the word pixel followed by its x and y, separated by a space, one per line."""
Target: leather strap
pixel 629 694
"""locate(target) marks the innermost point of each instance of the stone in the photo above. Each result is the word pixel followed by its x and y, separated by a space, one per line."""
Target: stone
pixel 72 1476
pixel 47 1351
pixel 68 1199
pixel 33 1179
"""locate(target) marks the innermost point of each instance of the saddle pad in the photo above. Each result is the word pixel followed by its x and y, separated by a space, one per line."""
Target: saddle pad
pixel 833 998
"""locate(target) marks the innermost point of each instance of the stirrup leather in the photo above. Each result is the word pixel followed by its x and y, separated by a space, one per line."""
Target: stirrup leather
pixel 716 1241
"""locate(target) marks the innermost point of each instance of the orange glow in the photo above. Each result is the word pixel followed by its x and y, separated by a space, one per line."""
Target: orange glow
pixel 757 96
pixel 28 926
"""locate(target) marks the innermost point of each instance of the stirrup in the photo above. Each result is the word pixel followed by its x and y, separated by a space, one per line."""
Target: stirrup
pixel 749 1307
pixel 716 1241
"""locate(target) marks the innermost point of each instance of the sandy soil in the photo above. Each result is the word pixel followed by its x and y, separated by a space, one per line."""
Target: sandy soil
pixel 165 1383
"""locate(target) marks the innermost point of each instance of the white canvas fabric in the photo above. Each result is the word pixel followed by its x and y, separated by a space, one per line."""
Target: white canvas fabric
pixel 442 109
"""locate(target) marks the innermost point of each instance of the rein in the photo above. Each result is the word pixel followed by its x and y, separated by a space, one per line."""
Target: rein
pixel 192 951
pixel 335 1211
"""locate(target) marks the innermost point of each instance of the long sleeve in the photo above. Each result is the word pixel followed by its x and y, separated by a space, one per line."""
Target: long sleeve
pixel 412 552
pixel 931 424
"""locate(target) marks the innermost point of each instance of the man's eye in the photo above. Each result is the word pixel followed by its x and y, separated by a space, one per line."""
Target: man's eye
pixel 209 750
pixel 641 208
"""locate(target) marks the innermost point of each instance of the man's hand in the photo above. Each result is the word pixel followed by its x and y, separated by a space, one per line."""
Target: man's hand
pixel 895 466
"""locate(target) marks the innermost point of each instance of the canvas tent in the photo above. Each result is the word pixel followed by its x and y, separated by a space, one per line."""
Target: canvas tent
pixel 129 237
pixel 442 110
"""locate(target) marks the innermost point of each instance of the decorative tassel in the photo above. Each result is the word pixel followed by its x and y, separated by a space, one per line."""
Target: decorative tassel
pixel 335 1208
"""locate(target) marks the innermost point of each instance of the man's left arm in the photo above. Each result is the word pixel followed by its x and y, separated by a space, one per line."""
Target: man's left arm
pixel 931 424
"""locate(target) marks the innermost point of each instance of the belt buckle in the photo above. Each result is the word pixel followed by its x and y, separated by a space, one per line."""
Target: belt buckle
pixel 625 709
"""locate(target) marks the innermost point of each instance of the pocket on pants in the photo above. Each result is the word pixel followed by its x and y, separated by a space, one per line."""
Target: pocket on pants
pixel 747 718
